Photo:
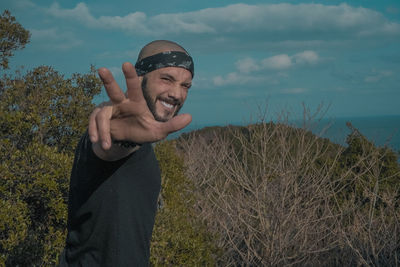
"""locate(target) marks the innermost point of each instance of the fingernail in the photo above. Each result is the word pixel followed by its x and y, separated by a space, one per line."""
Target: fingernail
pixel 105 144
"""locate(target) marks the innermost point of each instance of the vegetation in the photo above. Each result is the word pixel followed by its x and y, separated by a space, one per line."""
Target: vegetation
pixel 179 237
pixel 42 115
pixel 12 37
pixel 279 195
pixel 264 194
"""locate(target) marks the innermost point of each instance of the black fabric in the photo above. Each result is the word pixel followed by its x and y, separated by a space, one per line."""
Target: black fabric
pixel 111 208
pixel 163 60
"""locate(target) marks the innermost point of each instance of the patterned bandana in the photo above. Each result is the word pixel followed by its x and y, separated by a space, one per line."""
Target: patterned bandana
pixel 163 60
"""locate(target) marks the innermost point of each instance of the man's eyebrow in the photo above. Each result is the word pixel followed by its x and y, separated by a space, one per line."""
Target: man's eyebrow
pixel 188 84
pixel 168 76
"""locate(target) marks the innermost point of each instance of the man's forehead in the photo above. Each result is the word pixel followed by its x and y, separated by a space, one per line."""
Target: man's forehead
pixel 159 46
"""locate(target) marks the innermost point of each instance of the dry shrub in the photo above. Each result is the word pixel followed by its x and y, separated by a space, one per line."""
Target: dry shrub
pixel 278 195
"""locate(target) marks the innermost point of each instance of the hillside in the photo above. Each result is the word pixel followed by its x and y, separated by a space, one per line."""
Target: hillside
pixel 278 195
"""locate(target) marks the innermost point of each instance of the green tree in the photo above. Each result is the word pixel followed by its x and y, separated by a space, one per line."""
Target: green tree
pixel 42 116
pixel 370 169
pixel 34 185
pixel 45 107
pixel 179 237
pixel 12 37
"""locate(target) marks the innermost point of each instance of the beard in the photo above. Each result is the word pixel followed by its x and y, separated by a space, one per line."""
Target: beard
pixel 151 103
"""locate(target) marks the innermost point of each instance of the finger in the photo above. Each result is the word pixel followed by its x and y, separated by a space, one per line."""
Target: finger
pixel 93 135
pixel 103 127
pixel 112 88
pixel 133 82
pixel 177 123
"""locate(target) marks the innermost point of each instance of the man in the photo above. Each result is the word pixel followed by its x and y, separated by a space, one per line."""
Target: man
pixel 115 179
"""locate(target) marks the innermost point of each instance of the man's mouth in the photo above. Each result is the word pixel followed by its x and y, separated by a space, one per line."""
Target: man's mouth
pixel 167 105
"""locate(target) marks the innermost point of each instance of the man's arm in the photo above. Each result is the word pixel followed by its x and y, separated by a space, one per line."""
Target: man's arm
pixel 115 152
pixel 127 117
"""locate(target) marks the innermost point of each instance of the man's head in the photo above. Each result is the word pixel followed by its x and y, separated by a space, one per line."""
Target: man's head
pixel 166 71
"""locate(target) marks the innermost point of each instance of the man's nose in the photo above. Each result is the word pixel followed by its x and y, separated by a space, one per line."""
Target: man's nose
pixel 176 92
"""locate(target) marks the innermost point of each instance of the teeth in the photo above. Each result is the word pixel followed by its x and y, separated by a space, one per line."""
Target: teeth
pixel 165 104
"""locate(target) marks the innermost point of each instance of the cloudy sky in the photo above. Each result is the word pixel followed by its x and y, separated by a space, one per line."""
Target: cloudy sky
pixel 247 54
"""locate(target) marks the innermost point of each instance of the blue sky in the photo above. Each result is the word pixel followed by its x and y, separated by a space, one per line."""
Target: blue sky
pixel 247 53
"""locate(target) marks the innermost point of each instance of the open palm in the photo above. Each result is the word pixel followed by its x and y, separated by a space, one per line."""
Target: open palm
pixel 127 116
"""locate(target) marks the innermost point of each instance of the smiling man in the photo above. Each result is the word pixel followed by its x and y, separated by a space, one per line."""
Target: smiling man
pixel 115 179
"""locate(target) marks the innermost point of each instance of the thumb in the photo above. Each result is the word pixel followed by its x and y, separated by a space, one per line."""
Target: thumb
pixel 177 123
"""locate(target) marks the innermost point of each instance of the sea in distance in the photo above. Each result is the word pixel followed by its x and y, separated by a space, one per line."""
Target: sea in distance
pixel 380 130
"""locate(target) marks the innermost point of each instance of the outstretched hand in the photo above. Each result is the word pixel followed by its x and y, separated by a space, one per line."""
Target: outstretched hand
pixel 127 116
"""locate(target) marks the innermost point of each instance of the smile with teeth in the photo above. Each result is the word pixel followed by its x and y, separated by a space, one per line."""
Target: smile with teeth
pixel 167 105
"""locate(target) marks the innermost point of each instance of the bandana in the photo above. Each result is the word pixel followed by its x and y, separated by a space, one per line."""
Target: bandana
pixel 163 60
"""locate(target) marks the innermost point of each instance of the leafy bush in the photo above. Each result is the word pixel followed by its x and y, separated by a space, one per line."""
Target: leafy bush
pixel 34 185
pixel 42 115
pixel 12 37
pixel 179 238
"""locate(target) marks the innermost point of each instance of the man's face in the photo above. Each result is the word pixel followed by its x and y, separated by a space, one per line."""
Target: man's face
pixel 165 91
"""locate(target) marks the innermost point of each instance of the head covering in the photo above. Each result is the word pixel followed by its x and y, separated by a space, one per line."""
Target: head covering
pixel 165 59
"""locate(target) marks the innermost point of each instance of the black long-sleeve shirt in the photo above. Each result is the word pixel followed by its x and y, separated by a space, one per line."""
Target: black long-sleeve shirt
pixel 111 208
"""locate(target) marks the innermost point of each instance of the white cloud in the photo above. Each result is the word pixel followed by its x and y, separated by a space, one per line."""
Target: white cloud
pixel 136 22
pixel 271 21
pixel 278 62
pixel 248 69
pixel 54 39
pixel 247 65
pixel 80 13
pixel 306 57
